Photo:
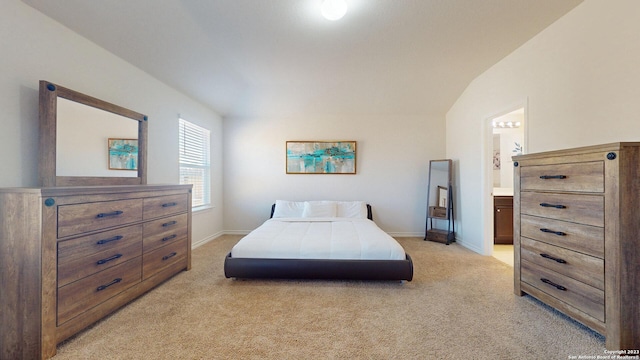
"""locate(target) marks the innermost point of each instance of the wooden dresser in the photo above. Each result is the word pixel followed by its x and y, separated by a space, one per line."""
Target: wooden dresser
pixel 71 255
pixel 577 236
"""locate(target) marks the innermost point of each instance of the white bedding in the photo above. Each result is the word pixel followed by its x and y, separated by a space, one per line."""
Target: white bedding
pixel 319 238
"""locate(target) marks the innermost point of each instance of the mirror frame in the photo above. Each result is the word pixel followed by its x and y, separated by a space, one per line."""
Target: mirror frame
pixel 49 93
pixel 448 207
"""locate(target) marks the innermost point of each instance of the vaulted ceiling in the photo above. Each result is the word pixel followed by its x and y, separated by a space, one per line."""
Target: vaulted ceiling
pixel 264 58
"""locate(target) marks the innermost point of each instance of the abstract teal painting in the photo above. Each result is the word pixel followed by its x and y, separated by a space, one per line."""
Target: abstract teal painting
pixel 123 154
pixel 321 157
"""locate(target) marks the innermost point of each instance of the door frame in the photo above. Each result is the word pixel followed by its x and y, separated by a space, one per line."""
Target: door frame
pixel 487 167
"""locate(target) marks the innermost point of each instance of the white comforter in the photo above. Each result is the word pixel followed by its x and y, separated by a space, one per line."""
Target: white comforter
pixel 319 238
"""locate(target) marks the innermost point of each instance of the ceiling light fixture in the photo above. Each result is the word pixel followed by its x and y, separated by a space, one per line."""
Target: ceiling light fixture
pixel 334 9
pixel 508 124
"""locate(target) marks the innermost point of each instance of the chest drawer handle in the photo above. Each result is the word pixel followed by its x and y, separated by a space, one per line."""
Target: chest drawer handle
pixel 113 213
pixel 559 233
pixel 169 204
pixel 553 206
pixel 114 281
pixel 169 237
pixel 106 260
pixel 169 223
pixel 167 257
pixel 105 241
pixel 547 256
pixel 559 287
pixel 545 177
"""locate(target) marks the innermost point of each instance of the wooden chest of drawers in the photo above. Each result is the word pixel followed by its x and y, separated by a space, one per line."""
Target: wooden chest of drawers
pixel 72 255
pixel 577 236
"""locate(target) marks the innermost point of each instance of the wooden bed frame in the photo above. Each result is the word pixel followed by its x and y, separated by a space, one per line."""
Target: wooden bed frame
pixel 319 269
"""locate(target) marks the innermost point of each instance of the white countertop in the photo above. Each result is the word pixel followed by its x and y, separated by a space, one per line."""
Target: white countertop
pixel 502 191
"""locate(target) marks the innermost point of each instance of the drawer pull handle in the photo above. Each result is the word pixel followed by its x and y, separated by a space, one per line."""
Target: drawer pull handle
pixel 545 177
pixel 547 256
pixel 113 213
pixel 106 260
pixel 169 223
pixel 559 233
pixel 169 237
pixel 169 204
pixel 166 257
pixel 553 206
pixel 102 287
pixel 559 287
pixel 105 241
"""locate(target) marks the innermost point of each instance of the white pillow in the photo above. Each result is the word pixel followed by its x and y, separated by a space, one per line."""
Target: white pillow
pixel 352 209
pixel 288 209
pixel 319 209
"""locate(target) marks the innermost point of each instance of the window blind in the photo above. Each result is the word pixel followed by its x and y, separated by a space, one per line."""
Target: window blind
pixel 194 161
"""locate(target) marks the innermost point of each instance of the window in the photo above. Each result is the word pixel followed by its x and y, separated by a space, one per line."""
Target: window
pixel 194 162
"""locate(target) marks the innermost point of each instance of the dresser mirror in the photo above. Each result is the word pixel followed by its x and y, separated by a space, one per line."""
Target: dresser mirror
pixel 87 141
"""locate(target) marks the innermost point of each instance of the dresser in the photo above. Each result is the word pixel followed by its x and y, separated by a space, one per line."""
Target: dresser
pixel 71 255
pixel 577 236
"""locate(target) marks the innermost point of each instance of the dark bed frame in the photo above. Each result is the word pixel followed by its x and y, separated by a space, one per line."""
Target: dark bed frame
pixel 319 269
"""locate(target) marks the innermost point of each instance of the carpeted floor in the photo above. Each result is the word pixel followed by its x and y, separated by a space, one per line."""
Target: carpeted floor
pixel 460 305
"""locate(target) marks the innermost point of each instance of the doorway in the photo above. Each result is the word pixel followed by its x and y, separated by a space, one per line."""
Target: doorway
pixel 507 134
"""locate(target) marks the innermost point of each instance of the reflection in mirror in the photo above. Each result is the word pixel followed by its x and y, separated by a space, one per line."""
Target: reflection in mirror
pixel 82 140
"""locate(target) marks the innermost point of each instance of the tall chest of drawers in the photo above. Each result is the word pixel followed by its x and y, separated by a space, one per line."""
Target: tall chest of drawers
pixel 577 236
pixel 71 255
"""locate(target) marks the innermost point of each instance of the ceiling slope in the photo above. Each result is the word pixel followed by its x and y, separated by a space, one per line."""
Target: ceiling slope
pixel 248 58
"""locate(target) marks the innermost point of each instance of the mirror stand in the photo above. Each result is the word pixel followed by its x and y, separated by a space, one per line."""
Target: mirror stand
pixel 440 202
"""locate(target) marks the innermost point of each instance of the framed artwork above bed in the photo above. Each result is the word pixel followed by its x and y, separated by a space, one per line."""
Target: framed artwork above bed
pixel 321 157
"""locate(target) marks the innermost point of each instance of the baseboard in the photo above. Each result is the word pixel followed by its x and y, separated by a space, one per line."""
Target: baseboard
pixel 206 240
pixel 468 246
pixel 236 232
pixel 406 234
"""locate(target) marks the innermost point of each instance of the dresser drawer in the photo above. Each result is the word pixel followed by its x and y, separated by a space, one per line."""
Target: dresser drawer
pixel 156 260
pixel 575 293
pixel 581 267
pixel 79 218
pixel 165 205
pixel 161 232
pixel 582 209
pixel 581 177
pixel 79 248
pixel 87 255
pixel 581 238
pixel 79 296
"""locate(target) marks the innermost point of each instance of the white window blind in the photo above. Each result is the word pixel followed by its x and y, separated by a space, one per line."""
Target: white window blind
pixel 194 162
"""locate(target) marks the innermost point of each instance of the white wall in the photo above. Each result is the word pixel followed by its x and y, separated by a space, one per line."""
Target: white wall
pixel 393 154
pixel 508 138
pixel 580 80
pixel 34 47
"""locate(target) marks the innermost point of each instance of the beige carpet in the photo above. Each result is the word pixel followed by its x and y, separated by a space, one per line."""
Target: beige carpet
pixel 460 305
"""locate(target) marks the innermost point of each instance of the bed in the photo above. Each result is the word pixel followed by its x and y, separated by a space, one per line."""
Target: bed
pixel 319 240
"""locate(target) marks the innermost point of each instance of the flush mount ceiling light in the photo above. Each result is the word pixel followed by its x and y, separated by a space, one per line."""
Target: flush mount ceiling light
pixel 334 9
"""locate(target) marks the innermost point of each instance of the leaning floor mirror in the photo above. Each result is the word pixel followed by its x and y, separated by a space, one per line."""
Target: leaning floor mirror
pixel 440 225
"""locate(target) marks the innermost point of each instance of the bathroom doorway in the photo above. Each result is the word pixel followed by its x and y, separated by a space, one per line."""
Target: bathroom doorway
pixel 508 139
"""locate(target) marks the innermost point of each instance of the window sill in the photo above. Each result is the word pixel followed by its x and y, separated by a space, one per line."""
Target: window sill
pixel 201 208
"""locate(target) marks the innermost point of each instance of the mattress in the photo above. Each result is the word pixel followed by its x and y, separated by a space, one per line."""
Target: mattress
pixel 319 238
